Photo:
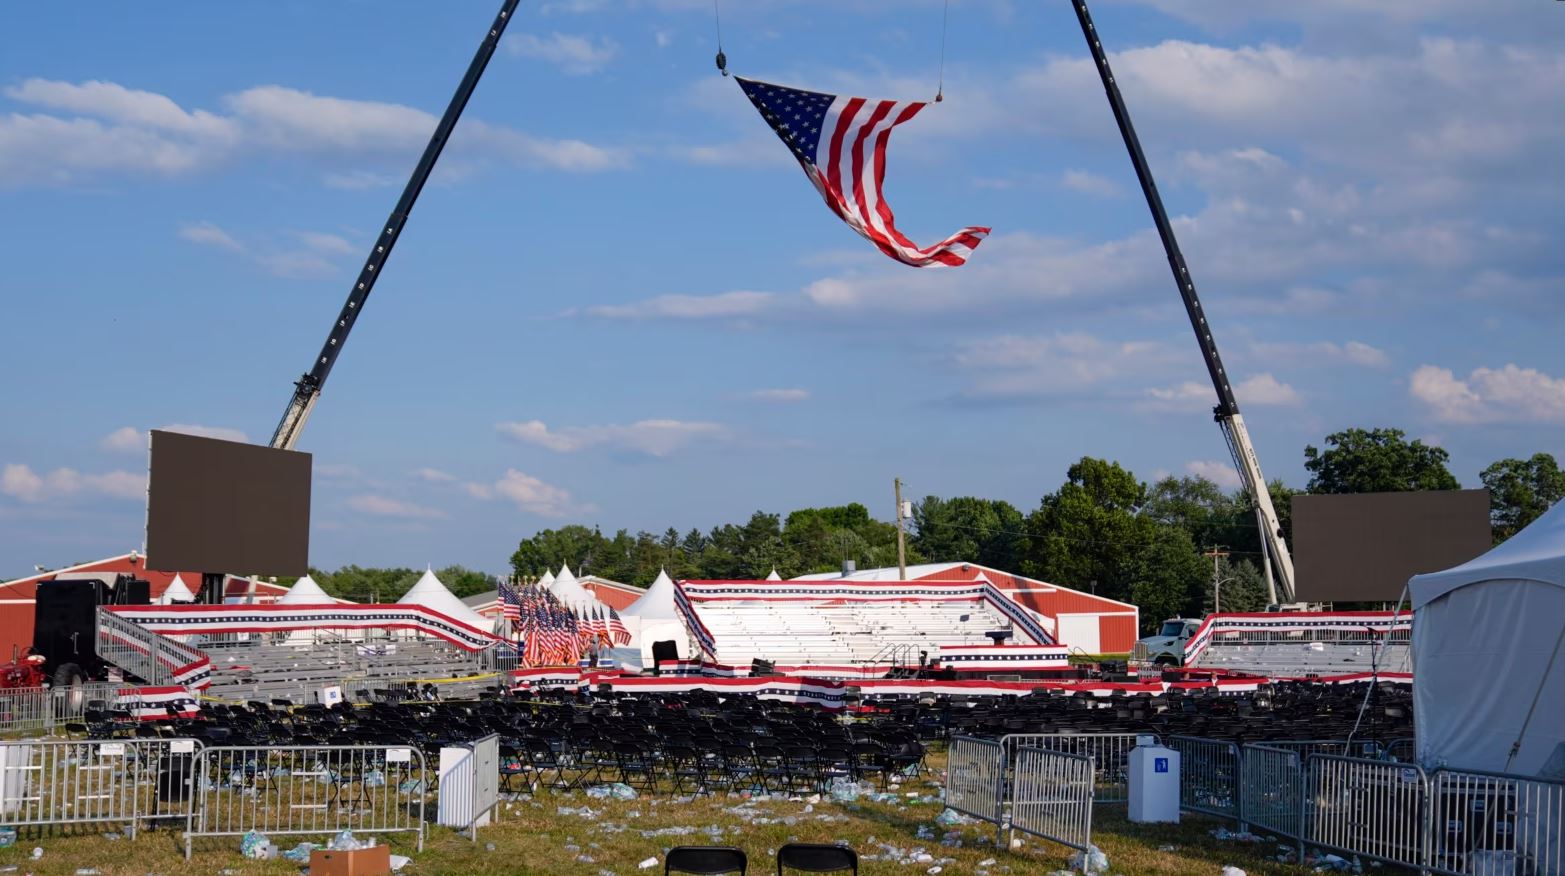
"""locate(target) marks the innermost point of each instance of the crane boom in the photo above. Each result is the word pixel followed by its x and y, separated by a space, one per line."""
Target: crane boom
pixel 307 391
pixel 1226 412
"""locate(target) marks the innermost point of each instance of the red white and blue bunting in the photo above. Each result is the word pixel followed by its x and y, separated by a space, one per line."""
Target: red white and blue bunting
pixel 186 620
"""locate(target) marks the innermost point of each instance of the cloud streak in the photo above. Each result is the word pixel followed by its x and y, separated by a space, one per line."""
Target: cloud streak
pixel 649 437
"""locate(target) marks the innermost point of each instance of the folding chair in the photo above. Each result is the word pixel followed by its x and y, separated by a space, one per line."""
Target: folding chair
pixel 817 858
pixel 705 860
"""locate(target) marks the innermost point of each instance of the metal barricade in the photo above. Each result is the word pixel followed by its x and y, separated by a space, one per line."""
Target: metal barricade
pixel 1402 750
pixel 975 778
pixel 1052 797
pixel 1271 789
pixel 1209 776
pixel 43 709
pixel 1483 823
pixel 315 789
pixel 1370 808
pixel 53 782
pixel 1110 753
pixel 1307 748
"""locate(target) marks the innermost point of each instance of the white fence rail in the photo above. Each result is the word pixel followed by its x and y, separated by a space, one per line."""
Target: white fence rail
pixel 54 782
pixel 1110 753
pixel 1052 797
pixel 975 778
pixel 315 789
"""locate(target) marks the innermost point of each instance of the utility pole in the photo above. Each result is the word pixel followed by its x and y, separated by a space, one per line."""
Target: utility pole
pixel 896 484
pixel 1217 554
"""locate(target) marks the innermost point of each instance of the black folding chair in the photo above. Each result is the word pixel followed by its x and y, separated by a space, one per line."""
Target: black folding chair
pixel 817 858
pixel 705 860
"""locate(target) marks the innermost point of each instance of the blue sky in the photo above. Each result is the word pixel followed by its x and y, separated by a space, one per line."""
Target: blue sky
pixel 620 303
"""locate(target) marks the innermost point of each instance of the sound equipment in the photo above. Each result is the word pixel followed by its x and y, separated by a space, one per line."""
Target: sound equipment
pixel 129 590
pixel 759 667
pixel 661 651
pixel 174 778
pixel 65 631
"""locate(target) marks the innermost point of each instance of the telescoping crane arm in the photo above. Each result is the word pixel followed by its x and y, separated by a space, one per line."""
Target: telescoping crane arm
pixel 1227 410
pixel 308 389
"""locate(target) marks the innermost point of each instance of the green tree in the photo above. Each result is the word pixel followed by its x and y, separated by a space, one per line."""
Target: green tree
pixel 1376 461
pixel 463 582
pixel 968 529
pixel 1520 490
pixel 1167 577
pixel 546 551
pixel 366 584
pixel 1089 529
pixel 1200 507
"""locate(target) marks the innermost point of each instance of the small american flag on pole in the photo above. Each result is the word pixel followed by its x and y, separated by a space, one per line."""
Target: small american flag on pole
pixel 841 144
pixel 510 602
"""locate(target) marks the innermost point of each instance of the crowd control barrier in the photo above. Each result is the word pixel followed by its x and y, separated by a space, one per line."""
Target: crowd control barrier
pixel 312 789
pixel 1052 797
pixel 125 782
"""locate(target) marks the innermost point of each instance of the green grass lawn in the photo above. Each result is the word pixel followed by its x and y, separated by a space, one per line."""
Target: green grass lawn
pixel 534 837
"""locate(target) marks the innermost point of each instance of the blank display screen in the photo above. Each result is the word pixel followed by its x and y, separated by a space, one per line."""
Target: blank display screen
pixel 223 506
pixel 1362 547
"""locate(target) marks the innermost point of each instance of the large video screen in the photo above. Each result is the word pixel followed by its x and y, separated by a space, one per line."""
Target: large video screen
pixel 1362 547
pixel 223 506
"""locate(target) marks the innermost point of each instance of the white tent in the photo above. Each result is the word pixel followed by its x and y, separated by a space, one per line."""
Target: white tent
pixel 774 576
pixel 176 592
pixel 305 592
pixel 546 580
pixel 1488 679
pixel 653 618
pixel 432 594
pixel 569 591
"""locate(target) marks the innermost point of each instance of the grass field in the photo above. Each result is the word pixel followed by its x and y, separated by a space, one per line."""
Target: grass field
pixel 534 837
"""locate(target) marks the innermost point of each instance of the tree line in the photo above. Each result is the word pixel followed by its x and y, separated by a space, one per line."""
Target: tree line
pixel 1102 530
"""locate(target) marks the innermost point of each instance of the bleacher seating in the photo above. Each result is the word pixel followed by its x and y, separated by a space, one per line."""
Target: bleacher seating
pixel 838 632
pixel 1300 658
pixel 298 669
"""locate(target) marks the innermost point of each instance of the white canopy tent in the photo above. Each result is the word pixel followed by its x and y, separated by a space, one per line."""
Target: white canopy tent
pixel 653 618
pixel 1488 679
pixel 305 592
pixel 176 592
pixel 569 591
pixel 432 594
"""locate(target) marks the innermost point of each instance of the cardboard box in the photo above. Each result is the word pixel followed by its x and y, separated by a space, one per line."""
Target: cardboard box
pixel 373 861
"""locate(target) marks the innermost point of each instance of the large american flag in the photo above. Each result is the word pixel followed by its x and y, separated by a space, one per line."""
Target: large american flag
pixel 841 144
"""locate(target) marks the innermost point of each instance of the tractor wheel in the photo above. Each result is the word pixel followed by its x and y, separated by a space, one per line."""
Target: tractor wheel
pixel 68 677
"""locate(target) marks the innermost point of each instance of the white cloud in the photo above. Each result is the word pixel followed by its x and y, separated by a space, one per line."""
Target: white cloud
pixel 126 439
pixel 1028 366
pixel 651 437
pixel 358 179
pixel 1183 396
pixel 528 494
pixel 434 475
pixel 574 55
pixel 208 234
pixel 384 506
pixel 337 471
pixel 21 482
pixel 1090 184
pixel 1220 473
pixel 780 396
pixel 1264 389
pixel 1319 353
pixel 331 244
pixel 664 37
pixel 112 129
pixel 1488 395
pixel 722 306
pixel 222 432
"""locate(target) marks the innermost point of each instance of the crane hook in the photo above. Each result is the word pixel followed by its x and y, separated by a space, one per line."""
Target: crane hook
pixel 722 62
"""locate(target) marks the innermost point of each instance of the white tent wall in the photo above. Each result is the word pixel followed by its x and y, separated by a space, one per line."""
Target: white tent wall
pixel 660 631
pixel 1489 656
pixel 1480 655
